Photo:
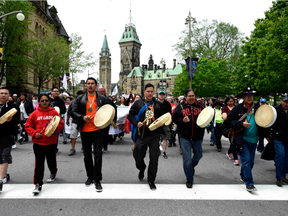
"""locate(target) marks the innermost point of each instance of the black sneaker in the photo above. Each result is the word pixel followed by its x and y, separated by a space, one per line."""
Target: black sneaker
pixel 279 182
pixel 88 182
pixel 6 178
pixel 1 185
pixel 189 184
pixel 51 178
pixel 21 140
pixel 152 185
pixel 98 186
pixel 170 145
pixel 251 188
pixel 64 142
pixel 164 155
pixel 37 189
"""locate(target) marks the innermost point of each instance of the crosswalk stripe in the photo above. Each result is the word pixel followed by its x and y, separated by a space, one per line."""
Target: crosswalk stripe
pixel 142 191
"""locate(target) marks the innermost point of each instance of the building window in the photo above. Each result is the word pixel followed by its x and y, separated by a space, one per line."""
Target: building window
pixel 149 76
pixel 167 74
pixel 158 75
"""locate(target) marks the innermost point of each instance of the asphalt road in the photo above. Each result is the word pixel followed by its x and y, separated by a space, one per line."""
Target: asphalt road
pixel 213 170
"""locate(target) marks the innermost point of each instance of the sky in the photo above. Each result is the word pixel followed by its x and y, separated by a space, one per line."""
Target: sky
pixel 158 24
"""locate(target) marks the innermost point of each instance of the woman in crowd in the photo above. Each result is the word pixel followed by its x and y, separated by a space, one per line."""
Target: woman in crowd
pixel 26 108
pixel 217 122
pixel 232 152
pixel 43 146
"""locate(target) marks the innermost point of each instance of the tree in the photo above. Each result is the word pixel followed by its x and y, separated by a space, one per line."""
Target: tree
pixel 264 61
pixel 14 41
pixel 78 60
pixel 211 79
pixel 48 57
pixel 209 40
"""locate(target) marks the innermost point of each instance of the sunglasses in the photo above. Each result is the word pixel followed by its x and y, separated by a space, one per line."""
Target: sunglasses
pixel 42 101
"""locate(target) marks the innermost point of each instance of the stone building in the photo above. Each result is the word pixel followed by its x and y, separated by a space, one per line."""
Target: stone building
pixel 43 15
pixel 105 67
pixel 132 76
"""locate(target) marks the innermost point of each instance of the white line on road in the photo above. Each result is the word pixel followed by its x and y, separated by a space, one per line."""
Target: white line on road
pixel 142 191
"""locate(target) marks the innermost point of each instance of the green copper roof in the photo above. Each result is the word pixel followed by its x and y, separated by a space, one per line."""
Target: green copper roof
pixel 150 75
pixel 130 34
pixel 137 71
pixel 105 45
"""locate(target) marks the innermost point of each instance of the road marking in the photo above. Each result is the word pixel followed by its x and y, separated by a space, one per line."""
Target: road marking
pixel 142 191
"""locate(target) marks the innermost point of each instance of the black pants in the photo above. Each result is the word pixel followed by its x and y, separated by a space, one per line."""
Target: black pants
pixel 218 136
pixel 106 137
pixel 139 154
pixel 41 152
pixel 95 138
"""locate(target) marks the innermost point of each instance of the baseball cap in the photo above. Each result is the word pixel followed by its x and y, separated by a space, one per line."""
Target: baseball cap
pixel 162 92
pixel 14 95
pixel 262 100
pixel 102 89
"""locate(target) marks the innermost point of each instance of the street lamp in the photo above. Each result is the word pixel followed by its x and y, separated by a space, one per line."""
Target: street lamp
pixel 20 16
pixel 190 19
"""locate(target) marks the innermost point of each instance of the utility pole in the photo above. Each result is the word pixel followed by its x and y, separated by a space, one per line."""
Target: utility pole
pixel 190 19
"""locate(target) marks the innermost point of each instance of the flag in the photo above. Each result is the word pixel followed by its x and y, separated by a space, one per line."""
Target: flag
pixel 115 91
pixel 65 82
pixel 45 81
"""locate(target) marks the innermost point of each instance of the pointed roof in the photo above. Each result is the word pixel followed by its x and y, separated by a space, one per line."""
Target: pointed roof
pixel 105 45
pixel 130 34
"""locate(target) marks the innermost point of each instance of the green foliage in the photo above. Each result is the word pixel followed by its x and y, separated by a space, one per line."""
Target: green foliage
pixel 209 40
pixel 48 57
pixel 13 39
pixel 264 61
pixel 212 78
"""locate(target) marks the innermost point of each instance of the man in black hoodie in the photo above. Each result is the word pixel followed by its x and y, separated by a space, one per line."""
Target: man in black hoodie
pixel 6 132
pixel 278 132
pixel 191 135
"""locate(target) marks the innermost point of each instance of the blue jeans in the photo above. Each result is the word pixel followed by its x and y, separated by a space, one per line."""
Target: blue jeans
pixel 247 155
pixel 281 159
pixel 260 146
pixel 212 137
pixel 190 162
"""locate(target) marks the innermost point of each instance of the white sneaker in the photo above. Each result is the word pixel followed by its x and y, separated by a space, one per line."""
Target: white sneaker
pixel 14 146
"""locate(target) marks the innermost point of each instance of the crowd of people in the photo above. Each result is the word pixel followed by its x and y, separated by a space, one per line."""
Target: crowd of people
pixel 236 113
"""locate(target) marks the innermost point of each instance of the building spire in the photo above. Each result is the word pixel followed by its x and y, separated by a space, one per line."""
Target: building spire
pixel 130 19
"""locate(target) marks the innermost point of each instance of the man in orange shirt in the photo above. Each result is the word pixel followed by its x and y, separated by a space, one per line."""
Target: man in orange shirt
pixel 83 111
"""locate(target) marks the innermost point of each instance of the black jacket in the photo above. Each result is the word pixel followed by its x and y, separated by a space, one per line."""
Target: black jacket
pixel 279 130
pixel 27 105
pixel 7 129
pixel 234 115
pixel 134 110
pixel 60 103
pixel 166 107
pixel 189 130
pixel 79 108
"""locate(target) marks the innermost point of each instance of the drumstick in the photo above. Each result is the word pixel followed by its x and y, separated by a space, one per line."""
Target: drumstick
pixel 44 127
pixel 182 109
pixel 113 124
pixel 94 111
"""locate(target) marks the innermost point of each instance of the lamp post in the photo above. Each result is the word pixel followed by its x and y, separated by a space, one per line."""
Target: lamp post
pixel 20 16
pixel 163 69
pixel 190 19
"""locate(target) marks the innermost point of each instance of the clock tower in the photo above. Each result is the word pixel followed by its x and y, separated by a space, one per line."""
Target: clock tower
pixel 130 46
pixel 105 67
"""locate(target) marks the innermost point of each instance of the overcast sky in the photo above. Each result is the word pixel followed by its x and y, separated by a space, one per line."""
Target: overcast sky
pixel 158 23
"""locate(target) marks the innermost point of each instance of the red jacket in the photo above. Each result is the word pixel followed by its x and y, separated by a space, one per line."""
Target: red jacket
pixel 37 121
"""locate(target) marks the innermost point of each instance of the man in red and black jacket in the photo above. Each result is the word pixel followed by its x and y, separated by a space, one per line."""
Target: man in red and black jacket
pixel 191 135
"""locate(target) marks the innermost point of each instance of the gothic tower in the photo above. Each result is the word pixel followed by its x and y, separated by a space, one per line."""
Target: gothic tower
pixel 105 67
pixel 130 46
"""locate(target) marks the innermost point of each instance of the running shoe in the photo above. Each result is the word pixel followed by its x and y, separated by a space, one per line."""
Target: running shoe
pixel 229 156
pixel 6 178
pixel 236 163
pixel 164 155
pixel 1 185
pixel 51 178
pixel 89 182
pixel 251 188
pixel 37 189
